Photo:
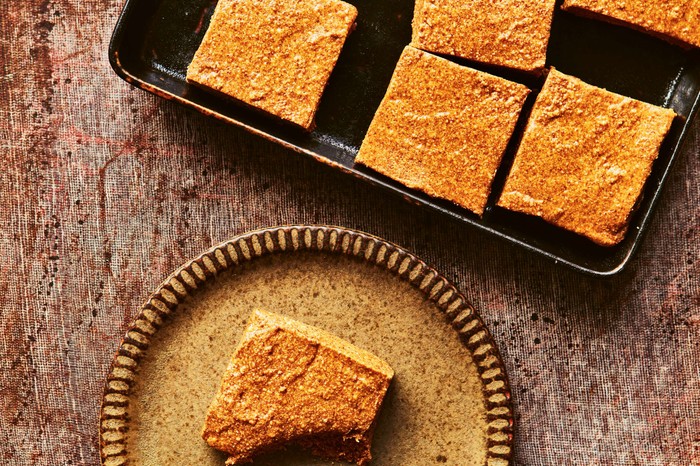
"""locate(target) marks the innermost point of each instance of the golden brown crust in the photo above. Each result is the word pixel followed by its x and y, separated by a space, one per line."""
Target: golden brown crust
pixel 677 21
pixel 291 383
pixel 443 128
pixel 584 158
pixel 276 55
pixel 508 33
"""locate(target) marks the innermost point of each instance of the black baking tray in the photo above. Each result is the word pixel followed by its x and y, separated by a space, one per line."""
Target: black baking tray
pixel 155 40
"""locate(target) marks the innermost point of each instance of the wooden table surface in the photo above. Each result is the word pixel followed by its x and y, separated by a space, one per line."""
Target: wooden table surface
pixel 106 189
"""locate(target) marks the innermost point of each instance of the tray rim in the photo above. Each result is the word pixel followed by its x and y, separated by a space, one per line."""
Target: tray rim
pixel 459 313
pixel 410 195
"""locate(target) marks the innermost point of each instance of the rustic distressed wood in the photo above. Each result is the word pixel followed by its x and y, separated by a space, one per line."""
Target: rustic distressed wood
pixel 106 189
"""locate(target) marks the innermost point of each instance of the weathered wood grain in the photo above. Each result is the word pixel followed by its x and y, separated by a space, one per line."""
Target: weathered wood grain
pixel 106 189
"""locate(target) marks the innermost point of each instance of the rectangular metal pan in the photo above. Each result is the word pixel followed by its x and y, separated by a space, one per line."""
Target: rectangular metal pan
pixel 155 40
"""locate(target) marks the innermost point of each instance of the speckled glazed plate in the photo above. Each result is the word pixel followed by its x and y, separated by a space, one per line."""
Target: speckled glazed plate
pixel 449 403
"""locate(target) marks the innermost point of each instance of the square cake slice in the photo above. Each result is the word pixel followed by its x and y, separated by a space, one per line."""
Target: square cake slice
pixel 442 128
pixel 507 33
pixel 275 55
pixel 676 21
pixel 584 158
pixel 288 382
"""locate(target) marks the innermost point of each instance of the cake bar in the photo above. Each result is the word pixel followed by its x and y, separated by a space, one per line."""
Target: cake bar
pixel 677 21
pixel 584 158
pixel 292 383
pixel 507 33
pixel 442 128
pixel 275 55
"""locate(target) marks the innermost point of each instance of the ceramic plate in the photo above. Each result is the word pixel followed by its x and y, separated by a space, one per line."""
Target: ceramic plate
pixel 449 403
